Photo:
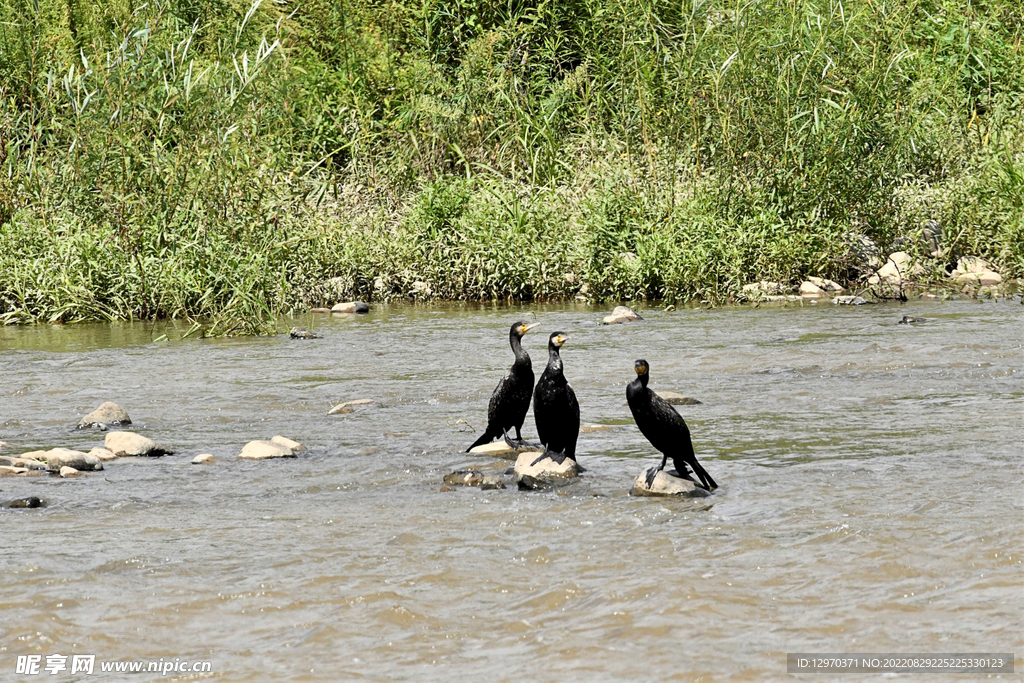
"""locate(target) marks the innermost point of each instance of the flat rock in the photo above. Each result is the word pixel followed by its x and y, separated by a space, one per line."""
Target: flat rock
pixel 29 502
pixel 351 307
pixel 850 301
pixel 293 446
pixel 983 278
pixel 265 450
pixel 666 484
pixel 69 472
pixel 27 463
pixel 103 453
pixel 347 406
pixel 678 399
pixel 58 458
pixel 587 429
pixel 474 478
pixel 124 444
pixel 319 310
pixel 108 414
pixel 544 472
pixel 203 459
pixel 9 471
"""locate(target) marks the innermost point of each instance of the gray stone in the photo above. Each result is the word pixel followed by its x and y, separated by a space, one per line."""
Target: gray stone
pixel 351 307
pixel 850 301
pixel 666 484
pixel 108 414
pixel 678 399
pixel 294 446
pixel 544 472
pixel 29 502
pixel 58 458
pixel 265 450
pixel 346 407
pixel 203 459
pixel 626 312
pixel 124 444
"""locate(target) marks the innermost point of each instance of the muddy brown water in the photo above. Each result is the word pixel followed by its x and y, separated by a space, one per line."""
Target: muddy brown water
pixel 871 498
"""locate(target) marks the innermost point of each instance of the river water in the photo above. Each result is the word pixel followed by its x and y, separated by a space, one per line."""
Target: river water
pixel 871 498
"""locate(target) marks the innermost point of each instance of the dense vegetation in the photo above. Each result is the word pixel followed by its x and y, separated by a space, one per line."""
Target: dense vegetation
pixel 205 158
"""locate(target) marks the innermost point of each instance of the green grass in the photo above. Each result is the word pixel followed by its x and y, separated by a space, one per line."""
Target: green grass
pixel 227 162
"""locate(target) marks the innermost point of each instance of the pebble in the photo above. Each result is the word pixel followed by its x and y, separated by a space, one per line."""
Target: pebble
pixel 346 407
pixel 107 414
pixel 666 484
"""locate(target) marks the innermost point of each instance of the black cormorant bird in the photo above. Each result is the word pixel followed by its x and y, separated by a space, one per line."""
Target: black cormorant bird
pixel 555 407
pixel 664 428
pixel 511 398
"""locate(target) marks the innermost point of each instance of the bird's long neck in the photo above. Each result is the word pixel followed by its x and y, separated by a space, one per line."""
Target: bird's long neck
pixel 554 360
pixel 522 357
pixel 643 379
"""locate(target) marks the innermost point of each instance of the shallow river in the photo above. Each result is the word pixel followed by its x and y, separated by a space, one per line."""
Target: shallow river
pixel 871 498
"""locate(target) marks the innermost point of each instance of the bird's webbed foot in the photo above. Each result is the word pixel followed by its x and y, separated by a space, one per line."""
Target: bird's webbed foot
pixel 521 444
pixel 652 474
pixel 557 458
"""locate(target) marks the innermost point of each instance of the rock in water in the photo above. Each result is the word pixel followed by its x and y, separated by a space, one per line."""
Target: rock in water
pixel 850 301
pixel 264 450
pixel 203 459
pixel 666 484
pixel 496 449
pixel 299 333
pixel 293 446
pixel 124 444
pixel 59 458
pixel 69 472
pixel 474 478
pixel 620 314
pixel 25 463
pixel 678 399
pixel 103 453
pixel 351 307
pixel 25 503
pixel 347 406
pixel 108 414
pixel 546 472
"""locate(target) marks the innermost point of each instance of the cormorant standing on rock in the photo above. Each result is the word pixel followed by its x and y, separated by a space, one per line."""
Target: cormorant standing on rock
pixel 511 398
pixel 555 407
pixel 663 427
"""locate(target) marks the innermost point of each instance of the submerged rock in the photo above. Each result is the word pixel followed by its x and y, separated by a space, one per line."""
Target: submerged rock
pixel 346 407
pixel 203 459
pixel 850 301
pixel 910 320
pixel 351 307
pixel 108 414
pixel 678 399
pixel 265 450
pixel 666 484
pixel 545 472
pixel 29 502
pixel 299 333
pixel 124 444
pixel 474 478
pixel 59 458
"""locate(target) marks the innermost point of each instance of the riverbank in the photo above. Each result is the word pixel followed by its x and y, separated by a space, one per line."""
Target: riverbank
pixel 231 164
